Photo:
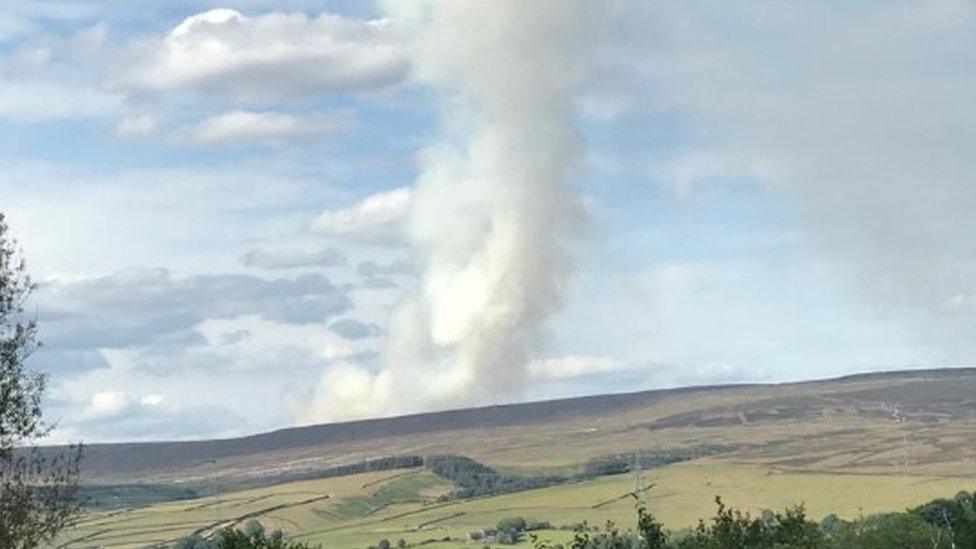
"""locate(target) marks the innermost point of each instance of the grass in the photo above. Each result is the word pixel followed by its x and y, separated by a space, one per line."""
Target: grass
pixel 412 487
pixel 359 510
pixel 682 494
pixel 849 458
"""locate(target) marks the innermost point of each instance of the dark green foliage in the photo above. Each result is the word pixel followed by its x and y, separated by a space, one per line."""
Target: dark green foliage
pixel 116 496
pixel 650 535
pixel 732 529
pixel 892 531
pixel 939 524
pixel 610 538
pixel 252 536
pixel 510 530
pixel 388 463
pixel 646 459
pixel 378 464
pixel 831 526
pixel 473 479
pixel 451 467
pixel 512 524
pixel 537 525
pixel 957 516
pixel 651 531
pixel 37 491
pixel 729 529
pixel 193 542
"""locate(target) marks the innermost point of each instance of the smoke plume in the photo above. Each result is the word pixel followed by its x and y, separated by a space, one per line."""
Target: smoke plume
pixel 494 209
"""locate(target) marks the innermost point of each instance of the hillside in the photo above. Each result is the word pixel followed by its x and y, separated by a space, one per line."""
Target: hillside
pixel 357 511
pixel 917 421
pixel 854 445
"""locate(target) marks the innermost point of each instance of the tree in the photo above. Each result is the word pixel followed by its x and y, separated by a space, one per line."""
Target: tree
pixel 956 516
pixel 892 531
pixel 38 490
pixel 253 536
pixel 195 541
pixel 512 524
pixel 651 531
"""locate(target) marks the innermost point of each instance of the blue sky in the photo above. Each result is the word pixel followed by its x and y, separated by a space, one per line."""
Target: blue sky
pixel 221 206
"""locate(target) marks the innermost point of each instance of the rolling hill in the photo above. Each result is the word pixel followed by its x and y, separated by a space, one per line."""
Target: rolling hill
pixel 853 445
pixel 915 421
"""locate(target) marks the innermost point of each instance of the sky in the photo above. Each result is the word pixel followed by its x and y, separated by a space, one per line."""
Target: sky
pixel 249 215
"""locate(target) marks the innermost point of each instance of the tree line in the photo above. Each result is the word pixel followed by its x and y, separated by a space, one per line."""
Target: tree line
pixel 945 523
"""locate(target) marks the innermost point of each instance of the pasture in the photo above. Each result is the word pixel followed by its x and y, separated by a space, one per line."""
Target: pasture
pixel 359 510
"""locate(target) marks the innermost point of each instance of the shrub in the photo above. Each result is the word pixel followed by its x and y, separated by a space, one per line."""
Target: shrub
pixel 511 524
pixel 252 536
pixel 537 525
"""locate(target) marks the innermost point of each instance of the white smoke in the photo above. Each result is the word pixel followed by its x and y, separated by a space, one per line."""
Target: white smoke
pixel 494 210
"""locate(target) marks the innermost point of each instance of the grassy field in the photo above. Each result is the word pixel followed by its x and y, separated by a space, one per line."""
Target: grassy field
pixel 359 510
pixel 848 446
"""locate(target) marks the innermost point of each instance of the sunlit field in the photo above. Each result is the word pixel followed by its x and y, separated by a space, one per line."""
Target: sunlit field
pixel 359 510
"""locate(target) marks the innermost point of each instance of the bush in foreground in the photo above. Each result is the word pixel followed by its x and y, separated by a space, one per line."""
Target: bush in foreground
pixel 940 524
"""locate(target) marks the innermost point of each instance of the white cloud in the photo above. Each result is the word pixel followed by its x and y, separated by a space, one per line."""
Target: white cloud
pixel 271 55
pixel 40 101
pixel 566 367
pixel 141 125
pixel 114 415
pixel 152 400
pixel 292 257
pixel 378 219
pixel 713 373
pixel 686 169
pixel 51 76
pixel 106 403
pixel 152 308
pixel 397 267
pixel 76 221
pixel 238 126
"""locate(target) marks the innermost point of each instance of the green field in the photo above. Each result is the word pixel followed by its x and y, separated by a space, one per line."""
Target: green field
pixel 359 510
pixel 835 446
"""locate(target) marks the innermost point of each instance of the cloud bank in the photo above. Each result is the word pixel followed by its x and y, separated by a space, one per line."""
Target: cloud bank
pixel 223 51
pixel 151 306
